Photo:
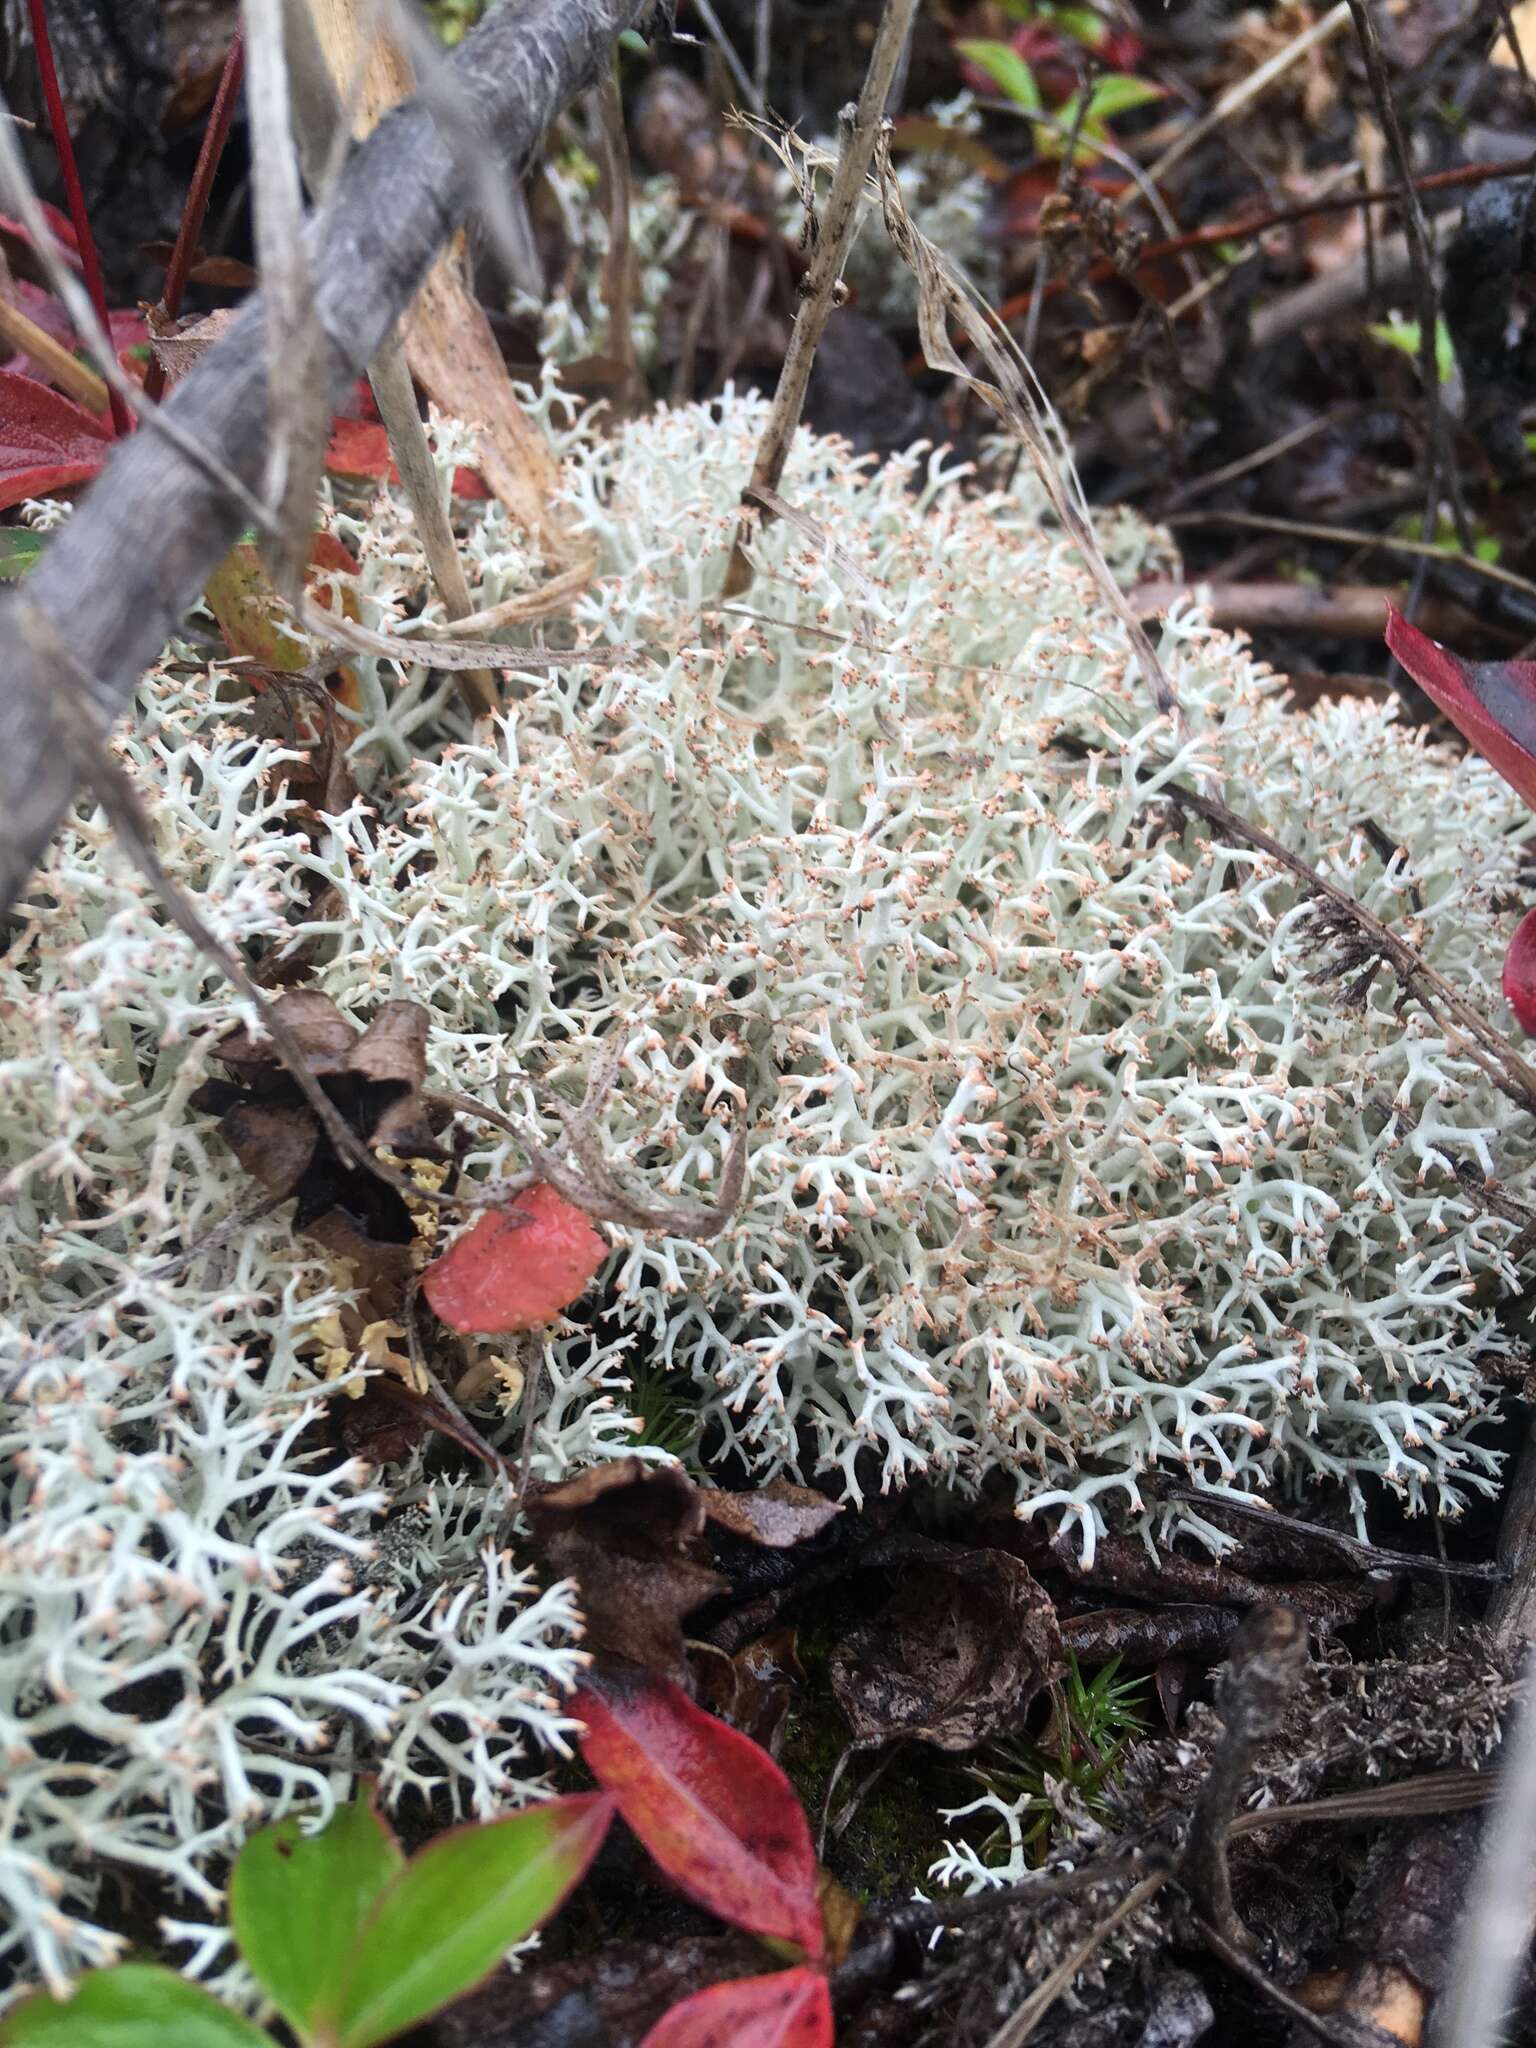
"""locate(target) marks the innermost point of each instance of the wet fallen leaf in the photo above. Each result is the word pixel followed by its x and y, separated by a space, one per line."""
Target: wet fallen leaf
pixel 390 1419
pixel 47 442
pixel 178 344
pixel 775 1515
pixel 254 619
pixel 611 1994
pixel 1143 1637
pixel 953 1657
pixel 716 1813
pixel 1491 703
pixel 1520 973
pixel 753 1689
pixel 361 448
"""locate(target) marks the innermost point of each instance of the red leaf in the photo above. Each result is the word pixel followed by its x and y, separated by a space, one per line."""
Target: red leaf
pixel 1520 973
pixel 46 440
pixel 361 448
pixel 358 448
pixel 517 1267
pixel 1491 703
pixel 63 233
pixel 791 2009
pixel 717 1814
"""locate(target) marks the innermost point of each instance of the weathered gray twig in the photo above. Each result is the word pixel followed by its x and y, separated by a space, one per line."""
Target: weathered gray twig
pixel 618 266
pixel 295 344
pixel 121 574
pixel 325 115
pixel 1440 454
pixel 834 238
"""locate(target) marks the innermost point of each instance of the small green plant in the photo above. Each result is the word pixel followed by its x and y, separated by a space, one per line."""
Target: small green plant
pixel 353 1946
pixel 1080 1747
pixel 1403 335
pixel 352 1943
pixel 666 1405
pixel 1008 67
pixel 453 19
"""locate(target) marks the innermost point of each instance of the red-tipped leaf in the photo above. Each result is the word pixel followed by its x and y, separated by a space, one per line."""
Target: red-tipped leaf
pixel 447 1919
pixel 717 1814
pixel 792 2009
pixel 1491 703
pixel 47 442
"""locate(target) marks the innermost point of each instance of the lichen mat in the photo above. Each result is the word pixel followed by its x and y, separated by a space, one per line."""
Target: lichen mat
pixel 1061 1167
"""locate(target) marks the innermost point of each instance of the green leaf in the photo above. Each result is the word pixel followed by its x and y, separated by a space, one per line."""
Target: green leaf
pixel 1118 93
pixel 1082 24
pixel 1007 71
pixel 19 550
pixel 1404 335
pixel 137 2005
pixel 455 1910
pixel 298 1901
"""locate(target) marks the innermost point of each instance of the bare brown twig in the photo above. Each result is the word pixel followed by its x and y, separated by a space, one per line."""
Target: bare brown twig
pixel 1268 1657
pixel 1441 460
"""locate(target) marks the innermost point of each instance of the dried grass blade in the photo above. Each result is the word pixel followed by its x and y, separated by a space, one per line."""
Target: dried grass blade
pixel 945 300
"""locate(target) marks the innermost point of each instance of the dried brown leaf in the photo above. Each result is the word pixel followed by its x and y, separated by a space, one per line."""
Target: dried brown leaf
pixel 632 1537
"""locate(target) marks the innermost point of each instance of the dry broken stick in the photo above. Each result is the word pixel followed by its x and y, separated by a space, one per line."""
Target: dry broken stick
pixel 114 583
pixel 298 401
pixel 396 399
pixel 833 238
pixel 1355 927
pixel 1440 450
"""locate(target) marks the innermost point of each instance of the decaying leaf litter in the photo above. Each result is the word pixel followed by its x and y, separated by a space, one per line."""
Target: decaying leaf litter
pixel 1193 1725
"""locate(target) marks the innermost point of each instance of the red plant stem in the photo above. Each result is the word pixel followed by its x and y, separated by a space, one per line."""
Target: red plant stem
pixel 195 212
pixel 54 101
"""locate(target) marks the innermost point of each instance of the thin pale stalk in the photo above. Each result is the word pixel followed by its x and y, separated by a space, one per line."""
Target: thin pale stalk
pixel 297 398
pixel 396 400
pixel 618 278
pixel 65 370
